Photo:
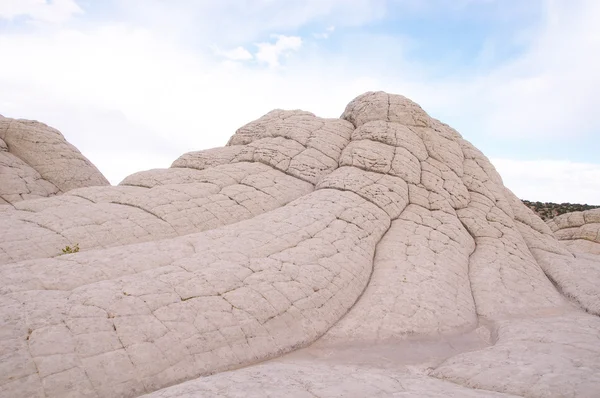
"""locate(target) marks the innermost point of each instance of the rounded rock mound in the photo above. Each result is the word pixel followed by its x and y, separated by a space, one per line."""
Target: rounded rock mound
pixel 378 254
pixel 37 162
pixel 580 230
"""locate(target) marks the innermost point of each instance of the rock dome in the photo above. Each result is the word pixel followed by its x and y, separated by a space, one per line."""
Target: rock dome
pixel 378 254
pixel 36 162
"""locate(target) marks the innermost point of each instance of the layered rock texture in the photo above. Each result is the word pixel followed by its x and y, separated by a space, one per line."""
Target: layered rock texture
pixel 378 254
pixel 580 231
pixel 37 162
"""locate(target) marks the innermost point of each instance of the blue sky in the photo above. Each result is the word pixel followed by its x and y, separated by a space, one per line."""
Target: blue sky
pixel 135 83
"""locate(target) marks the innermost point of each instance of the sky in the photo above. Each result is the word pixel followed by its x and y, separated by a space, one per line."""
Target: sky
pixel 133 84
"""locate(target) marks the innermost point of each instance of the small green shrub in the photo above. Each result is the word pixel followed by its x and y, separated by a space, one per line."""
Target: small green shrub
pixel 71 250
pixel 549 210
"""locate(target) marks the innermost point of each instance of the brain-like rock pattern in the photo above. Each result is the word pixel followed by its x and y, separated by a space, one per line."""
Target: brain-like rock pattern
pixel 380 252
pixel 36 162
pixel 579 230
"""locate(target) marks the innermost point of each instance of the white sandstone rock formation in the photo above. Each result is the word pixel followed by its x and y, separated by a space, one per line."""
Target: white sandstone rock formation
pixel 580 230
pixel 380 252
pixel 36 162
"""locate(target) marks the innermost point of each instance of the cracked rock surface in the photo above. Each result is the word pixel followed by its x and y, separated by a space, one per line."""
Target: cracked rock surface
pixel 37 162
pixel 579 230
pixel 378 254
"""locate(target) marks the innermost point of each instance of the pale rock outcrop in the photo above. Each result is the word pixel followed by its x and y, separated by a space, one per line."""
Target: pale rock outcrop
pixel 380 250
pixel 580 230
pixel 36 162
pixel 309 380
pixel 268 168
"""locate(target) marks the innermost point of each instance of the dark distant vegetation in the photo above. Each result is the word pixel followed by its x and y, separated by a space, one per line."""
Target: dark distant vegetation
pixel 548 210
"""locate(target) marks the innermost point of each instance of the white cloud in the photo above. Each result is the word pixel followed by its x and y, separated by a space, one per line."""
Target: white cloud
pixel 325 34
pixel 237 54
pixel 553 87
pixel 551 180
pixel 549 91
pixel 270 53
pixel 249 20
pixel 55 11
pixel 123 95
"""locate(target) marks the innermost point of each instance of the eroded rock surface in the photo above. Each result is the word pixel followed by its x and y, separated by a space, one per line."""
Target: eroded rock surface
pixel 381 250
pixel 37 162
pixel 580 230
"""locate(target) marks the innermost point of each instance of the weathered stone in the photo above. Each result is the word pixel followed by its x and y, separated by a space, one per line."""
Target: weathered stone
pixel 381 250
pixel 580 230
pixel 36 162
